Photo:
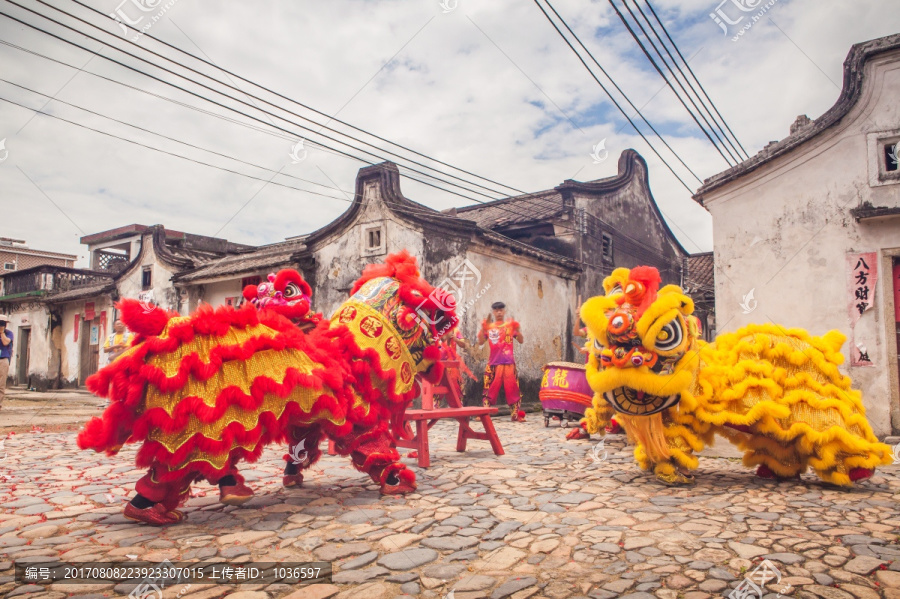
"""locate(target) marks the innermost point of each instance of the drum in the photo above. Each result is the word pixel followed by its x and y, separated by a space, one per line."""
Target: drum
pixel 565 392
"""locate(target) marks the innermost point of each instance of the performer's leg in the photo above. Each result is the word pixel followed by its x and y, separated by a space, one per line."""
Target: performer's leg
pixel 303 452
pixel 232 490
pixel 376 454
pixel 511 389
pixel 492 382
pixel 155 501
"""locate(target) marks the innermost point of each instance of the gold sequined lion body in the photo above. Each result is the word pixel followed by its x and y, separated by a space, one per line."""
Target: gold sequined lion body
pixel 775 393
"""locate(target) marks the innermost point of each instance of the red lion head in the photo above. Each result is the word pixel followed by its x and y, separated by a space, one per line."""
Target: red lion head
pixel 285 293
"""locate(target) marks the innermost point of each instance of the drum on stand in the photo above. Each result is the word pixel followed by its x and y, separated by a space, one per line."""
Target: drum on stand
pixel 564 393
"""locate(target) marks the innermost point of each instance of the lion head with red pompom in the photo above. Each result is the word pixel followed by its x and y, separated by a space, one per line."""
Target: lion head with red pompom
pixel 285 293
pixel 423 314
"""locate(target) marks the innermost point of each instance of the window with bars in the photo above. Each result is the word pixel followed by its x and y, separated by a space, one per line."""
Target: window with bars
pixel 146 278
pixel 606 247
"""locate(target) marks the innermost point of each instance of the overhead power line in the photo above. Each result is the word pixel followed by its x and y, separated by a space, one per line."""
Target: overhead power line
pixel 714 127
pixel 682 94
pixel 696 80
pixel 729 159
pixel 251 96
pixel 240 101
pixel 612 98
pixel 204 98
pixel 307 107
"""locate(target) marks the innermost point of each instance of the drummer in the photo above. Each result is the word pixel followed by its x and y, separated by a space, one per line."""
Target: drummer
pixel 501 368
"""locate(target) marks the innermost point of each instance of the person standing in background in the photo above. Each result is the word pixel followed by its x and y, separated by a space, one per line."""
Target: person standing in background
pixel 6 348
pixel 118 341
pixel 501 368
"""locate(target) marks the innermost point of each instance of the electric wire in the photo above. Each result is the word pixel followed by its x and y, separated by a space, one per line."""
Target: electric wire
pixel 476 200
pixel 310 108
pixel 715 125
pixel 366 161
pixel 251 96
pixel 155 149
pixel 617 105
pixel 699 84
pixel 221 168
pixel 616 85
pixel 730 157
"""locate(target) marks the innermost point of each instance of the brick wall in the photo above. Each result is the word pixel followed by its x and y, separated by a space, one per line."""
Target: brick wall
pixel 24 261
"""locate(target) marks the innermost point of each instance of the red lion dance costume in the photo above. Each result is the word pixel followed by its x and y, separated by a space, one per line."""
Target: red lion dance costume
pixel 203 392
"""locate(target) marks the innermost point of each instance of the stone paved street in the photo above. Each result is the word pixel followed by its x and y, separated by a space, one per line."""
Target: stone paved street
pixel 550 519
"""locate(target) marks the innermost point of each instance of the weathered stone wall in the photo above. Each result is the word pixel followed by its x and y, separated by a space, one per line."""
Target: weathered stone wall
pixel 35 316
pixel 639 236
pixel 783 232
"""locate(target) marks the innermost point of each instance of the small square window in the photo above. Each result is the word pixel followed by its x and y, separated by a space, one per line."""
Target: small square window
pixel 606 247
pixel 9 266
pixel 891 157
pixel 373 241
pixel 146 278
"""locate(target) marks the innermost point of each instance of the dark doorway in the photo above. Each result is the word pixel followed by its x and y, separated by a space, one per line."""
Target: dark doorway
pixel 23 358
pixel 90 349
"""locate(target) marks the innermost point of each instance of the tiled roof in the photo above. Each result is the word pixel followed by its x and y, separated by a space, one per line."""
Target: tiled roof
pixel 81 292
pixel 267 256
pixel 699 273
pixel 516 210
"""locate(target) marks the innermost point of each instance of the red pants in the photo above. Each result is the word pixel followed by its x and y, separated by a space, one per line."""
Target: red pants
pixel 501 375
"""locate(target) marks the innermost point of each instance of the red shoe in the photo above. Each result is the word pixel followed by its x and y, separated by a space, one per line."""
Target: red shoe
pixel 155 515
pixel 235 494
pixel 858 474
pixel 397 481
pixel 763 471
pixel 292 480
pixel 577 433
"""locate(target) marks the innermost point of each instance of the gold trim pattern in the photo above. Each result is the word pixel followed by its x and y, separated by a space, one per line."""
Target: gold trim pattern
pixel 372 330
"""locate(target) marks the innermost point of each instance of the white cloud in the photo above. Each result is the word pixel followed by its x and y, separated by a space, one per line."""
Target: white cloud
pixel 450 93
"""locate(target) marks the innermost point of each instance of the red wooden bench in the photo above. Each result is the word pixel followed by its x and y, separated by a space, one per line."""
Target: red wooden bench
pixel 428 416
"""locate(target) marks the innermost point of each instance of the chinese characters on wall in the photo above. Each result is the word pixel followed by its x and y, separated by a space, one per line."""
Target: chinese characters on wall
pixel 863 276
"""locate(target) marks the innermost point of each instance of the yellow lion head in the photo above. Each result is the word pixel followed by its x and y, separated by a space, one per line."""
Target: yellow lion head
pixel 642 355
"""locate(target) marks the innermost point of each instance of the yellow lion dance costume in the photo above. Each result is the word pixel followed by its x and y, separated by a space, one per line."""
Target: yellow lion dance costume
pixel 777 394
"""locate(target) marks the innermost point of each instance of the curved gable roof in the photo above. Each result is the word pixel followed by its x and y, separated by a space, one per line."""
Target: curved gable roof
pixel 632 166
pixel 850 93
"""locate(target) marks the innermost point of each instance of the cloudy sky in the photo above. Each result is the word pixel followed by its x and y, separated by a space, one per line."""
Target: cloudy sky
pixel 486 86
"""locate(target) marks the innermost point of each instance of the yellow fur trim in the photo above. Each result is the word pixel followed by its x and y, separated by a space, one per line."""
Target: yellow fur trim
pixel 781 385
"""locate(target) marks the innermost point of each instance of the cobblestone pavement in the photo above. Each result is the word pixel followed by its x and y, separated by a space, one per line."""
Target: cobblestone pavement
pixel 550 519
pixel 53 411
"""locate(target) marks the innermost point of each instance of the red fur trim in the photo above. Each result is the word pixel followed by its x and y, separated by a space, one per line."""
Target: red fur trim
pixel 650 279
pixel 250 293
pixel 140 320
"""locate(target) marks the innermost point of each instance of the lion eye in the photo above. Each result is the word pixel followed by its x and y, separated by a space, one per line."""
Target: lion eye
pixel 616 289
pixel 598 346
pixel 292 290
pixel 670 336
